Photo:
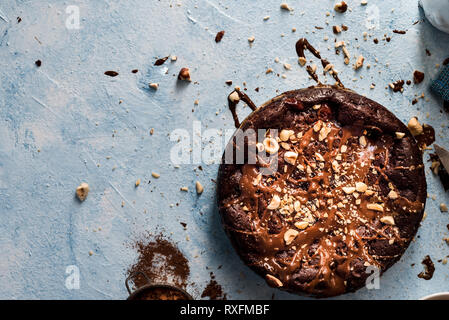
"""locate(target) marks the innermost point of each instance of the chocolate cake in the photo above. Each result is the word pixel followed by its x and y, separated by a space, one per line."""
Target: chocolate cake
pixel 334 189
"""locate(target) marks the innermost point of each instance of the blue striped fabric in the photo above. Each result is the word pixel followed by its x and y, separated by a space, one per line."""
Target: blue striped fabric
pixel 441 84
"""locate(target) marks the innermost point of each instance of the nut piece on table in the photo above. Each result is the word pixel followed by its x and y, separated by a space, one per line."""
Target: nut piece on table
pixel 184 74
pixel 82 191
pixel 273 281
pixel 199 187
pixel 341 7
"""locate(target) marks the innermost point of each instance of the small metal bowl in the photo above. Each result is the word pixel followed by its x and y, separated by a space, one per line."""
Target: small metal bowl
pixel 139 292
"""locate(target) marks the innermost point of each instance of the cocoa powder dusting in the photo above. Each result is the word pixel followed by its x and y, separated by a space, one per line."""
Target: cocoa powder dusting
pixel 161 261
pixel 213 290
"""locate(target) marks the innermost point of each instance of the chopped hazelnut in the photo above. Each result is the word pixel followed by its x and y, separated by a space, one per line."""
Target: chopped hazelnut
pixel 415 127
pixel 199 187
pixel 82 191
pixel 273 281
pixel 290 157
pixel 387 220
pixel 290 235
pixel 271 145
pixel 375 207
pixel 274 203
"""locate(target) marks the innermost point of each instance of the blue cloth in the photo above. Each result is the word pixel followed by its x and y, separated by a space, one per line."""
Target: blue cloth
pixel 441 84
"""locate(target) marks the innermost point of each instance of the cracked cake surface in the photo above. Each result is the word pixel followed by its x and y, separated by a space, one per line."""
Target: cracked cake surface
pixel 346 193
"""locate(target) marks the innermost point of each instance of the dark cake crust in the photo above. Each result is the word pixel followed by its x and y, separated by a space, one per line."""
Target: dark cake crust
pixel 330 256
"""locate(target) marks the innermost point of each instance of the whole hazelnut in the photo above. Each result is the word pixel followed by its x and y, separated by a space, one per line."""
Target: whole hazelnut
pixel 184 74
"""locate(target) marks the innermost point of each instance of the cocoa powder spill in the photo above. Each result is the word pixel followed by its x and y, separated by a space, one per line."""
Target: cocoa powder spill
pixel 161 261
pixel 213 290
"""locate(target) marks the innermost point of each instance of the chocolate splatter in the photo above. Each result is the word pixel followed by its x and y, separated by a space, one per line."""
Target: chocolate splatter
pixel 418 77
pixel 213 290
pixel 219 36
pixel 111 73
pixel 429 269
pixel 160 61
pixel 161 261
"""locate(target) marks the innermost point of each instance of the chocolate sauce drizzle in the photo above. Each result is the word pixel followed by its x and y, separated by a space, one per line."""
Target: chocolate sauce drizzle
pixel 233 104
pixel 301 45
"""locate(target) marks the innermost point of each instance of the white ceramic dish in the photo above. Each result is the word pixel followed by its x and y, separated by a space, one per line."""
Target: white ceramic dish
pixel 437 296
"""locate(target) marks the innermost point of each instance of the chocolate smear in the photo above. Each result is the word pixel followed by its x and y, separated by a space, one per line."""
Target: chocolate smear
pixel 429 269
pixel 160 61
pixel 161 261
pixel 219 36
pixel 213 290
pixel 111 73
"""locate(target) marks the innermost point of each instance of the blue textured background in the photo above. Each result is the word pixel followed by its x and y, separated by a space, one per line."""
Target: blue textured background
pixel 70 112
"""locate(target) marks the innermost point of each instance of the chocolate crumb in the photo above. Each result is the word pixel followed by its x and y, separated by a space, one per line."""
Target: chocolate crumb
pixel 160 61
pixel 344 27
pixel 414 101
pixel 429 269
pixel 111 73
pixel 38 63
pixel 399 31
pixel 446 61
pixel 388 39
pixel 418 77
pixel 408 82
pixel 375 40
pixel 19 19
pixel 428 52
pixel 219 36
pixel 135 71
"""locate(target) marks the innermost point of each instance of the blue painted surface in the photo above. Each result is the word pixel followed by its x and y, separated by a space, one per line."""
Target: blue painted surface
pixel 61 122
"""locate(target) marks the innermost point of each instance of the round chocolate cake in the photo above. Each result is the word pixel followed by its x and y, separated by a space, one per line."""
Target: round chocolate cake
pixel 331 188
